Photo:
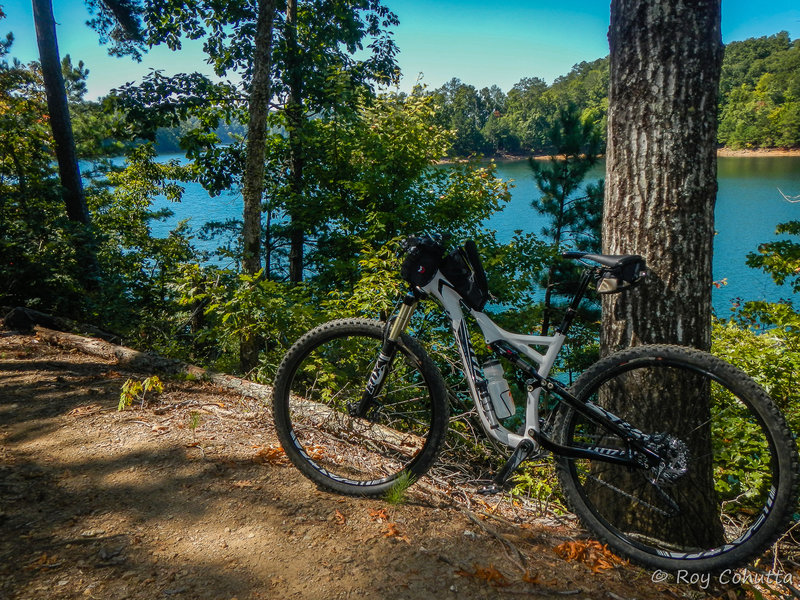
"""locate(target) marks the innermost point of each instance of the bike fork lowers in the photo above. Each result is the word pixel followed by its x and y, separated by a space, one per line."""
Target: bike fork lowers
pixel 384 362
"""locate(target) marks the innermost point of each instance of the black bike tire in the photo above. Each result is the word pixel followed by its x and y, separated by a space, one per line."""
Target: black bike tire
pixel 779 517
pixel 418 466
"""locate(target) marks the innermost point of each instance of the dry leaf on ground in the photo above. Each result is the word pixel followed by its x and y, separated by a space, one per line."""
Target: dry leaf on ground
pixel 590 552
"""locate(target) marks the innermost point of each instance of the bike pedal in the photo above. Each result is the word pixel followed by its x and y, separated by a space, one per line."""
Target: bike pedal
pixel 490 490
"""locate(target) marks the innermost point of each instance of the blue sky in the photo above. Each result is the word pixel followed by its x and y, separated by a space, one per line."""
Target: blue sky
pixel 469 39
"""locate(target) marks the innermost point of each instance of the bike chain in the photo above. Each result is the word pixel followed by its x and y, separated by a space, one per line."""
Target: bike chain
pixel 635 499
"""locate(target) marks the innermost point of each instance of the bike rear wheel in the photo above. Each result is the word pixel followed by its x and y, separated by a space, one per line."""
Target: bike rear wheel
pixel 321 379
pixel 729 485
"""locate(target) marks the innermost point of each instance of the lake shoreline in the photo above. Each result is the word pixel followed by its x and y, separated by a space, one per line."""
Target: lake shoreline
pixel 721 152
pixel 758 152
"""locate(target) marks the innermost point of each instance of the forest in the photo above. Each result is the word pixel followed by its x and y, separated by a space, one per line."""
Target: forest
pixel 349 171
pixel 336 168
pixel 759 103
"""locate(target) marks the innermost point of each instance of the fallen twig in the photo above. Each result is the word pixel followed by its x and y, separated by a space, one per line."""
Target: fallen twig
pixel 520 562
pixel 152 362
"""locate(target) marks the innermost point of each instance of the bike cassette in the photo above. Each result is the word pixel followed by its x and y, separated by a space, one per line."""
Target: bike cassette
pixel 674 462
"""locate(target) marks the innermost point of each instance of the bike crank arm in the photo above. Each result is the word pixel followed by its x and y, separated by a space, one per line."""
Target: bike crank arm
pixel 524 450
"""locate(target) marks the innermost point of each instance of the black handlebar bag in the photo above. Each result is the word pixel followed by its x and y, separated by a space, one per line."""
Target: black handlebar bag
pixel 422 260
pixel 463 269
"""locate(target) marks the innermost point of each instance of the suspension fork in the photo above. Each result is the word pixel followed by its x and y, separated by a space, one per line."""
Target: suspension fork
pixel 383 364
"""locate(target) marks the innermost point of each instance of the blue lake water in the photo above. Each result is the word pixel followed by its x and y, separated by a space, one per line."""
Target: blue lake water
pixel 749 206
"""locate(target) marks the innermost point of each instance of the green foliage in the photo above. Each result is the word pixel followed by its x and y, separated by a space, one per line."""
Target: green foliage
pixel 781 259
pixel 119 25
pixel 491 121
pixel 759 102
pixel 375 180
pixel 398 493
pixel 538 483
pixel 378 288
pixel 575 221
pixel 760 93
pixel 574 210
pixel 740 468
pixel 38 244
pixel 194 423
pixel 237 306
pixel 32 222
pixel 40 266
pixel 764 341
pixel 137 390
pixel 763 338
pixel 138 268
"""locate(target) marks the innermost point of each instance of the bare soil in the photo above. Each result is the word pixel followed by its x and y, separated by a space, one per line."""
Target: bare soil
pixel 189 496
pixel 756 152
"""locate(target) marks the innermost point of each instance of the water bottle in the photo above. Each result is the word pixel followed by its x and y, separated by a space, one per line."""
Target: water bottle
pixel 502 401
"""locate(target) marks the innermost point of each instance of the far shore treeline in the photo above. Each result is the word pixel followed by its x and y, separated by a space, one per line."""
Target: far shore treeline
pixel 759 104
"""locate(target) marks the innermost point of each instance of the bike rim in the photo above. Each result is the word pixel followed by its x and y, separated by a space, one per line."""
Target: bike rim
pixel 357 451
pixel 729 486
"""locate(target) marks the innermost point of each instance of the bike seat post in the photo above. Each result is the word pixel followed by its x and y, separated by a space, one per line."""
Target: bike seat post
pixel 587 276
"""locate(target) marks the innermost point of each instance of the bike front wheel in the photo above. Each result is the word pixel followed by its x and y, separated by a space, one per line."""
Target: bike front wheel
pixel 726 487
pixel 322 378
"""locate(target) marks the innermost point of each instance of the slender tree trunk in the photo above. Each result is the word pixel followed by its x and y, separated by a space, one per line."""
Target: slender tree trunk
pixel 58 109
pixel 253 181
pixel 660 191
pixel 295 117
pixel 268 246
pixel 551 274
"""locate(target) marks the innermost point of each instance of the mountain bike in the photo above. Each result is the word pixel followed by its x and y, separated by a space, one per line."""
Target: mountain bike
pixel 671 456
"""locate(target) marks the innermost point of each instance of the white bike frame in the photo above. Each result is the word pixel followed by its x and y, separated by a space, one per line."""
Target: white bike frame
pixel 441 289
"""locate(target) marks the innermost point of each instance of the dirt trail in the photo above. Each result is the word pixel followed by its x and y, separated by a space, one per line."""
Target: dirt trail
pixel 189 497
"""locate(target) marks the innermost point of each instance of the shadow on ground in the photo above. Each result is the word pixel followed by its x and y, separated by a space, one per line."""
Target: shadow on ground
pixel 191 501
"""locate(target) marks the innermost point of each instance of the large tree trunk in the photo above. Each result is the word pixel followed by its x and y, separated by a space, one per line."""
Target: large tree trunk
pixel 661 174
pixel 294 119
pixel 253 181
pixel 660 192
pixel 58 110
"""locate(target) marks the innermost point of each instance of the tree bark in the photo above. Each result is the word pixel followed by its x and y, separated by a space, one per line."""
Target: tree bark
pixel 661 173
pixel 661 185
pixel 58 109
pixel 294 118
pixel 253 181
